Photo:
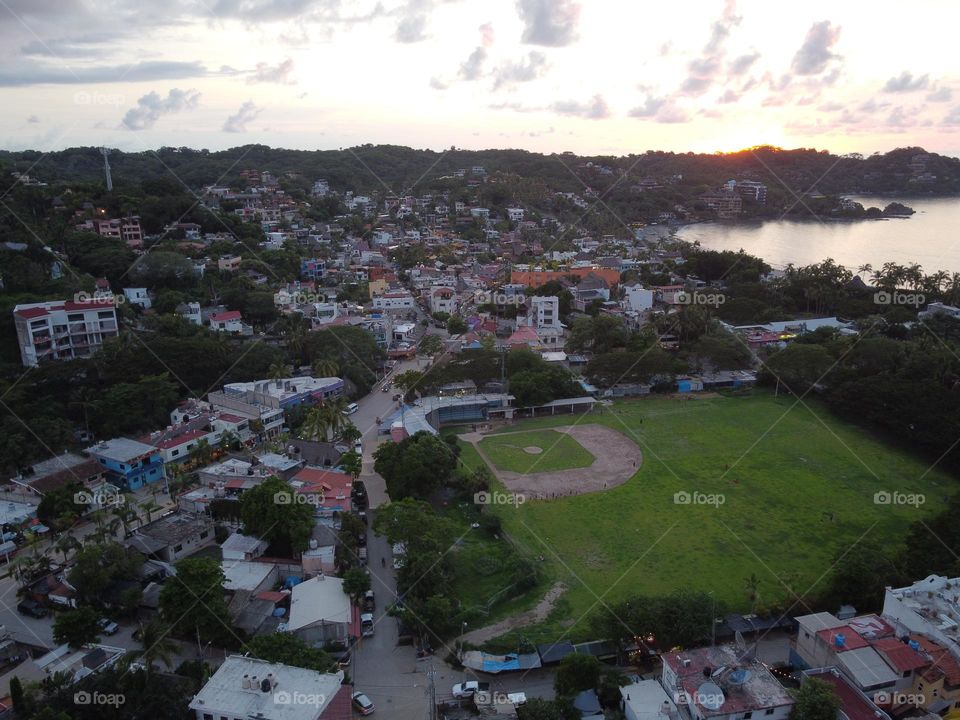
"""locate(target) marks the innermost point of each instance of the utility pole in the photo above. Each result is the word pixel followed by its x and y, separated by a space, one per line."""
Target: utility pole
pixel 431 676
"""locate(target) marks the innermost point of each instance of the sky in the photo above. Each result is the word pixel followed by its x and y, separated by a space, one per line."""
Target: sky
pixel 592 77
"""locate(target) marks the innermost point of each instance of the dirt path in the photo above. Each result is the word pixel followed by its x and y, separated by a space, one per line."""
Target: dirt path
pixel 617 458
pixel 530 617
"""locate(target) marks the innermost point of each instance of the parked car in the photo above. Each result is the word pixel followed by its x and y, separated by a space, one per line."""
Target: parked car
pixel 362 554
pixel 362 704
pixel 32 608
pixel 351 409
pixel 467 689
pixel 358 448
pixel 398 397
pixel 108 626
pixel 366 625
pixel 369 601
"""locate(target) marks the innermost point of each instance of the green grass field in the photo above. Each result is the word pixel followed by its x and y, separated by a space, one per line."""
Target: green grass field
pixel 797 487
pixel 560 452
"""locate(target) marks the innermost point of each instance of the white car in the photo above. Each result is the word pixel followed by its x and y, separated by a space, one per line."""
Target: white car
pixel 358 447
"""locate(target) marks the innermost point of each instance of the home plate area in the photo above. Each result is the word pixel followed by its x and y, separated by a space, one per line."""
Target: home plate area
pixel 616 458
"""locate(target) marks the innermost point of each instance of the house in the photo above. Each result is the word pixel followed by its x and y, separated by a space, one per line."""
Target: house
pixel 515 215
pixel 646 700
pixel 138 296
pixel 544 312
pixel 63 469
pixel 129 464
pixel 394 300
pixel 190 311
pixel 243 547
pixel 936 309
pixel 173 537
pixel 246 687
pixel 63 329
pixel 230 321
pixel 320 612
pixel 229 263
pixel 443 300
pixel 638 298
pixel 723 682
pixel 328 491
pixel 854 703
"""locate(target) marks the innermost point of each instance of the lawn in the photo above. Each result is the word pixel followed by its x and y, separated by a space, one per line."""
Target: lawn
pixel 797 486
pixel 559 452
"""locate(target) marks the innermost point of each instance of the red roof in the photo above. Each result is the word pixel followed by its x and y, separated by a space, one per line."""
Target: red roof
pixel 851 638
pixel 943 665
pixel 31 313
pixel 340 707
pixel 871 626
pixel 235 484
pixel 231 418
pixel 226 316
pixel 853 704
pixel 899 655
pixel 181 439
pixel 273 596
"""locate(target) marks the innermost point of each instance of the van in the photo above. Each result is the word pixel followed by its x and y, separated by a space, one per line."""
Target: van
pixel 351 409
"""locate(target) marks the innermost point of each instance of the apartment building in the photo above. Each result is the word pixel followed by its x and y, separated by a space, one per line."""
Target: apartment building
pixel 63 329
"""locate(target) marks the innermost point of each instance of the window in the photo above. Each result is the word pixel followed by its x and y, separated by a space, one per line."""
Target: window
pixel 204 534
pixel 178 548
pixel 906 673
pixel 174 453
pixel 207 716
pixel 747 716
pixel 768 711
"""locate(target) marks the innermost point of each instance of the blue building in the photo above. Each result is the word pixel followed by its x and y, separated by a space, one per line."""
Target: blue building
pixel 313 269
pixel 129 464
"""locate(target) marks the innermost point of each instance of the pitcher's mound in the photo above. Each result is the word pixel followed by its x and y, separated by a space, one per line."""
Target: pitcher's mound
pixel 532 450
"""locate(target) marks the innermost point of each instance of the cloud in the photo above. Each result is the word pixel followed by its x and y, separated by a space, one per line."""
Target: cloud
pixel 411 29
pixel 552 23
pixel 594 109
pixel 943 94
pixel 279 75
pixel 33 119
pixel 815 53
pixel 902 118
pixel 730 96
pixel 743 63
pixel 79 46
pixel 831 107
pixel 660 109
pixel 237 123
pixel 533 66
pixel 486 35
pixel 438 84
pixel 704 70
pixel 35 74
pixel 151 107
pixel 872 106
pixel 472 67
pixel 953 117
pixel 906 82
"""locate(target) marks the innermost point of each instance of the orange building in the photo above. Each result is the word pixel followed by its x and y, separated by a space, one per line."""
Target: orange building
pixel 536 278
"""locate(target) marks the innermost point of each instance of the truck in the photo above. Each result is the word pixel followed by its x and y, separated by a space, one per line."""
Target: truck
pixel 469 688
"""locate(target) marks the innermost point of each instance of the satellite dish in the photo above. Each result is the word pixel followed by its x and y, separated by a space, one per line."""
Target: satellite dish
pixel 741 643
pixel 739 676
pixel 710 696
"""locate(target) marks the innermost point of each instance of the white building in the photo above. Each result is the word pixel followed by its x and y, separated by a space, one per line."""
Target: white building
pixel 545 312
pixel 243 547
pixel 246 687
pixel 515 215
pixel 138 296
pixel 394 301
pixel 930 606
pixel 646 700
pixel 320 611
pixel 63 329
pixel 443 299
pixel 190 311
pixel 638 298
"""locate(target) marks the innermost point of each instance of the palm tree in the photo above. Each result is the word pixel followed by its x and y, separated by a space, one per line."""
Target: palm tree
pixel 352 463
pixel 334 409
pixel 326 367
pixel 752 586
pixel 229 440
pixel 865 268
pixel 278 371
pixel 156 646
pixel 66 544
pixel 202 453
pixel 149 507
pixel 315 425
